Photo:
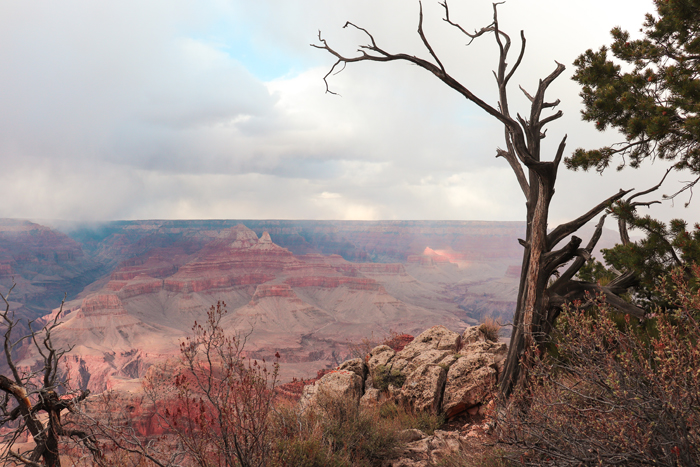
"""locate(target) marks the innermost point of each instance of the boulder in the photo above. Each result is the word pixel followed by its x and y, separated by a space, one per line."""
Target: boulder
pixel 428 375
pixel 435 338
pixel 341 384
pixel 473 334
pixel 470 381
pixel 429 356
pixel 356 365
pixel 497 349
pixel 430 450
pixel 423 388
pixel 371 398
pixel 379 356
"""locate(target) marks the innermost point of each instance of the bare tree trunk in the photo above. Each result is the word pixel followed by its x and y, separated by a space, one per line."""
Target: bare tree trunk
pixel 36 392
pixel 539 302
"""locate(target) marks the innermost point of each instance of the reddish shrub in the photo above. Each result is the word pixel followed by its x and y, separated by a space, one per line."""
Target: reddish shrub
pixel 614 394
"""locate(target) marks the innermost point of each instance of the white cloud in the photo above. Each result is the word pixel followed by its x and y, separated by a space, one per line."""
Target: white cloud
pixel 184 109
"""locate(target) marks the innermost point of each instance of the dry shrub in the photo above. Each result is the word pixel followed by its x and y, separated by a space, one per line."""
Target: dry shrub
pixel 491 329
pixel 397 341
pixel 490 457
pixel 336 432
pixel 611 394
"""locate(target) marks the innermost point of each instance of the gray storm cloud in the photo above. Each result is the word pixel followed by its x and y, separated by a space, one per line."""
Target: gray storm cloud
pixel 183 109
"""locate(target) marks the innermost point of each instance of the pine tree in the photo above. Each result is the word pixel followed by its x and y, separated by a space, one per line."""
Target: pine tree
pixel 650 93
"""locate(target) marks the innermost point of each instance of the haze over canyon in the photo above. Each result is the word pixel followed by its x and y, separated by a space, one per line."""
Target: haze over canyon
pixel 305 289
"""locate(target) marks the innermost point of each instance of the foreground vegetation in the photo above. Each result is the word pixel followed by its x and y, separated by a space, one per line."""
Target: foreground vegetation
pixel 614 391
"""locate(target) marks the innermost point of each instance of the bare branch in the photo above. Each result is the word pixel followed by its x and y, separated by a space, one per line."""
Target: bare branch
pixel 22 459
pixel 560 151
pixel 519 60
pixel 689 185
pixel 424 39
pixel 546 105
pixel 551 118
pixel 646 192
pixel 529 97
pixel 384 56
pixel 517 168
pixel 476 34
pixel 580 260
pixel 564 230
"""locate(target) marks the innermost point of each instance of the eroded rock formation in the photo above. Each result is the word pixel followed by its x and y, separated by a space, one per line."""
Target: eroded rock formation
pixel 440 371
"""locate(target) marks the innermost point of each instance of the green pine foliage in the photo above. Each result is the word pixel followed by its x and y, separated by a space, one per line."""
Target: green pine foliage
pixel 663 248
pixel 650 91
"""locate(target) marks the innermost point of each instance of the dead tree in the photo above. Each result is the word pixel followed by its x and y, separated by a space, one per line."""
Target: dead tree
pixel 541 293
pixel 32 400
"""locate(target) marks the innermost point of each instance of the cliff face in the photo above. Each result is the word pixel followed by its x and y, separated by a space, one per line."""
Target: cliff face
pixel 44 264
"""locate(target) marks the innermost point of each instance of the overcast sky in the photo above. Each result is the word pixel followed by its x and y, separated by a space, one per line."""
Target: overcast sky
pixel 176 109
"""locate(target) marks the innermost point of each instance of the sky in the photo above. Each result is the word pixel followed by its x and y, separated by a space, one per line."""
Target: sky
pixel 176 109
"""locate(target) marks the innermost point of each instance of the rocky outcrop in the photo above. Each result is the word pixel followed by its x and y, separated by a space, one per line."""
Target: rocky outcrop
pixel 440 371
pixel 472 377
pixel 273 290
pixel 340 385
pixel 423 388
pixel 214 282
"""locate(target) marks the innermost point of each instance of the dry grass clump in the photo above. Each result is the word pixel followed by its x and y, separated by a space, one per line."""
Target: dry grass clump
pixel 338 433
pixel 491 329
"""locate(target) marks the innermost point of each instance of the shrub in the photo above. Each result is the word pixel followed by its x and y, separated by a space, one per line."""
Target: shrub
pixel 383 377
pixel 491 457
pixel 334 432
pixel 218 402
pixel 491 329
pixel 611 394
pixel 404 419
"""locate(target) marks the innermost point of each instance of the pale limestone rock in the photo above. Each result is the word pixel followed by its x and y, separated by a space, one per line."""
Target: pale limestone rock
pixel 411 435
pixel 448 360
pixel 429 356
pixel 423 388
pixel 379 356
pixel 342 384
pixel 430 450
pixel 488 347
pixel 371 398
pixel 356 365
pixel 473 334
pixel 470 382
pixel 435 338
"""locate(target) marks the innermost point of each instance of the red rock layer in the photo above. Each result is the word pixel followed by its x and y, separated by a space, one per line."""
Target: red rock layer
pixel 355 283
pixel 208 283
pixel 144 286
pixel 99 302
pixel 273 290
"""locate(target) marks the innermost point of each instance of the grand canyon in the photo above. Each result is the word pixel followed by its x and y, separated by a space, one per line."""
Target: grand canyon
pixel 305 289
